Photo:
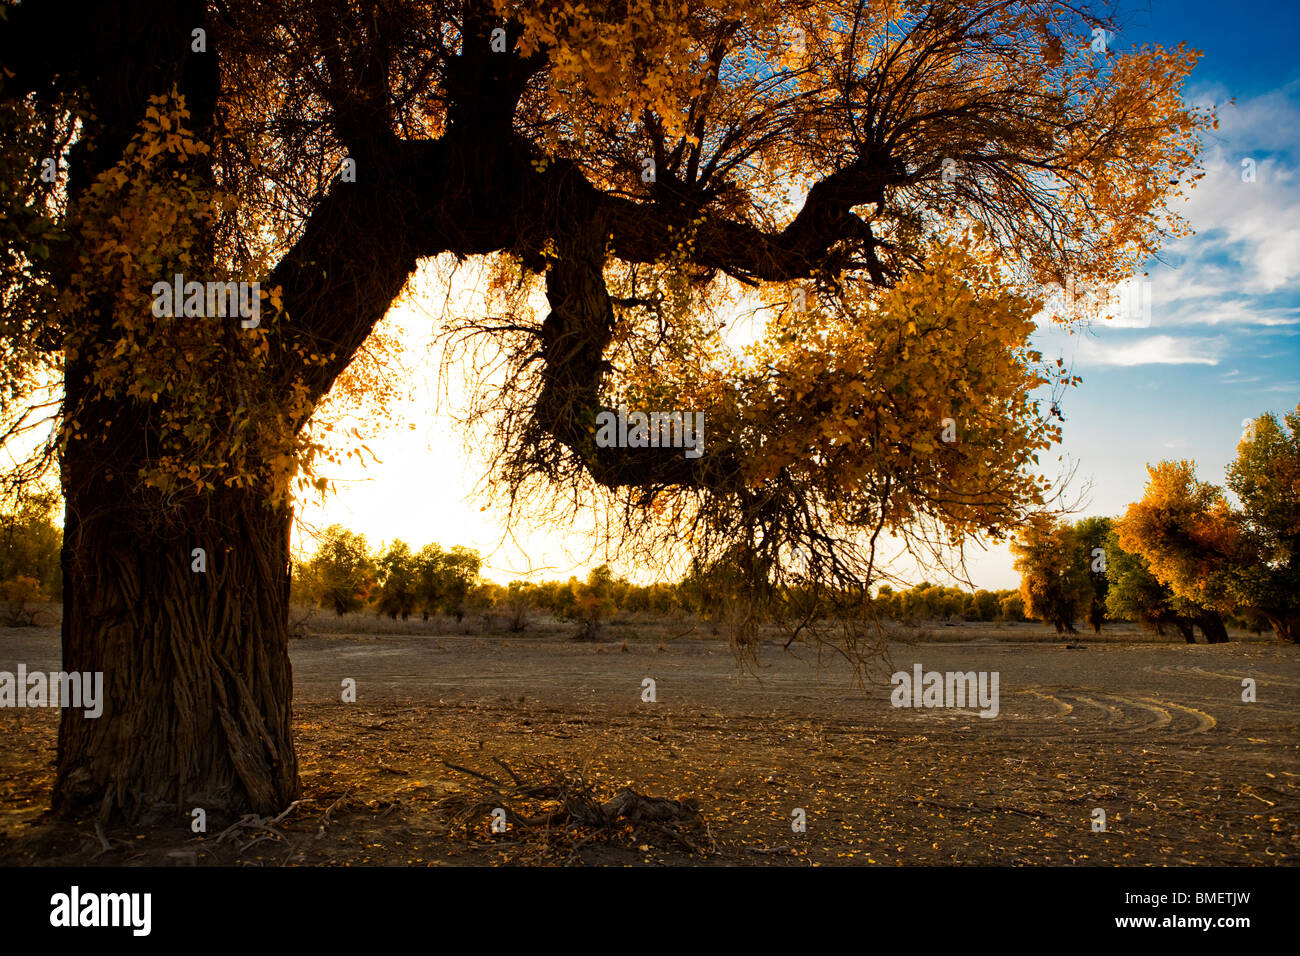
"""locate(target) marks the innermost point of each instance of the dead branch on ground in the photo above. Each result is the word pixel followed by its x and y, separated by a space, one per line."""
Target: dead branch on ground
pixel 562 809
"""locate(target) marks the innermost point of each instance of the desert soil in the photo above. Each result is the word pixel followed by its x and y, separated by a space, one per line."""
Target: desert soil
pixel 1154 733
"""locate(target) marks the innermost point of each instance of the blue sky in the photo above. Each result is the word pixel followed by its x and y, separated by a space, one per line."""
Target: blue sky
pixel 1248 47
pixel 1223 342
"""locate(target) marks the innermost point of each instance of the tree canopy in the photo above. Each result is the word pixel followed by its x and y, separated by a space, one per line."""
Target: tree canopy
pixel 635 163
pixel 1055 584
pixel 893 185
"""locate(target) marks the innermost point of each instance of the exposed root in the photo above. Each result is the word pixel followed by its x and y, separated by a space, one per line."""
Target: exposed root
pixel 252 821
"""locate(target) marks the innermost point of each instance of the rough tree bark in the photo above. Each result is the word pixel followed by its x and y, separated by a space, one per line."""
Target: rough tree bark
pixel 197 680
pixel 1286 626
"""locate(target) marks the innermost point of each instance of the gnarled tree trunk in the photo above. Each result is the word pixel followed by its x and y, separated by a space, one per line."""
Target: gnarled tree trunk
pixel 197 681
pixel 197 685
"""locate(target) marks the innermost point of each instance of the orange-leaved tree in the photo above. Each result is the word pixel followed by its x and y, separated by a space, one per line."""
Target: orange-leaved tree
pixel 893 185
pixel 1055 584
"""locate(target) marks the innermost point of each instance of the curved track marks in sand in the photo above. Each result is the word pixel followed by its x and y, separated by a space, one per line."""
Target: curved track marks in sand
pixel 1085 712
pixel 1184 670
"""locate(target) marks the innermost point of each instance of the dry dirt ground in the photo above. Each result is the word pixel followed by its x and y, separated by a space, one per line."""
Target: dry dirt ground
pixel 1155 733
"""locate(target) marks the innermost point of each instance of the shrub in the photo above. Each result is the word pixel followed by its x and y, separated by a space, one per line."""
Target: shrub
pixel 16 597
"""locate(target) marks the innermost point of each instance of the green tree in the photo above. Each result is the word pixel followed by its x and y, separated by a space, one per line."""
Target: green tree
pixel 984 605
pixel 396 592
pixel 30 545
pixel 1011 607
pixel 517 600
pixel 444 579
pixel 557 597
pixel 429 580
pixel 1265 477
pixel 342 571
pixel 459 575
pixel 1091 535
pixel 1134 593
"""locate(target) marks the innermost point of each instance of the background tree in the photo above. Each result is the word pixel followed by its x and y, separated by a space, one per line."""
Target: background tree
pixel 396 589
pixel 1054 586
pixel 593 602
pixel 1249 620
pixel 1091 534
pixel 445 579
pixel 30 545
pixel 555 597
pixel 1011 608
pixel 429 580
pixel 984 605
pixel 458 575
pixel 1265 477
pixel 1134 593
pixel 483 596
pixel 342 570
pixel 222 160
pixel 1215 555
pixel 18 595
pixel 926 601
pixel 518 599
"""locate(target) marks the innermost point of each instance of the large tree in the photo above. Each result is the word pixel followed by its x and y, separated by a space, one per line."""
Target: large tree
pixel 342 574
pixel 397 580
pixel 635 163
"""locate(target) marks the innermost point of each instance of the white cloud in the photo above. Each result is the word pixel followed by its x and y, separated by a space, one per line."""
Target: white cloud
pixel 1243 265
pixel 1152 350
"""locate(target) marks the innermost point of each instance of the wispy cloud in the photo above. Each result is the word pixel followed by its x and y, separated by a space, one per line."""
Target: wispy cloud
pixel 1244 263
pixel 1152 350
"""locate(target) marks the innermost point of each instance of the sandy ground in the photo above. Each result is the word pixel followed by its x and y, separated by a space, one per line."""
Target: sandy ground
pixel 1154 733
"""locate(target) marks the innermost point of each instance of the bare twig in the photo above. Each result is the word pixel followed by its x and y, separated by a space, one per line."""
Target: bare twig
pixel 566 807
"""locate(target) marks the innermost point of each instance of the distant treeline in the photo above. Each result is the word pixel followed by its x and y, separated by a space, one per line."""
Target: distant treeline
pixel 933 602
pixel 345 575
pixel 1070 573
pixel 398 582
